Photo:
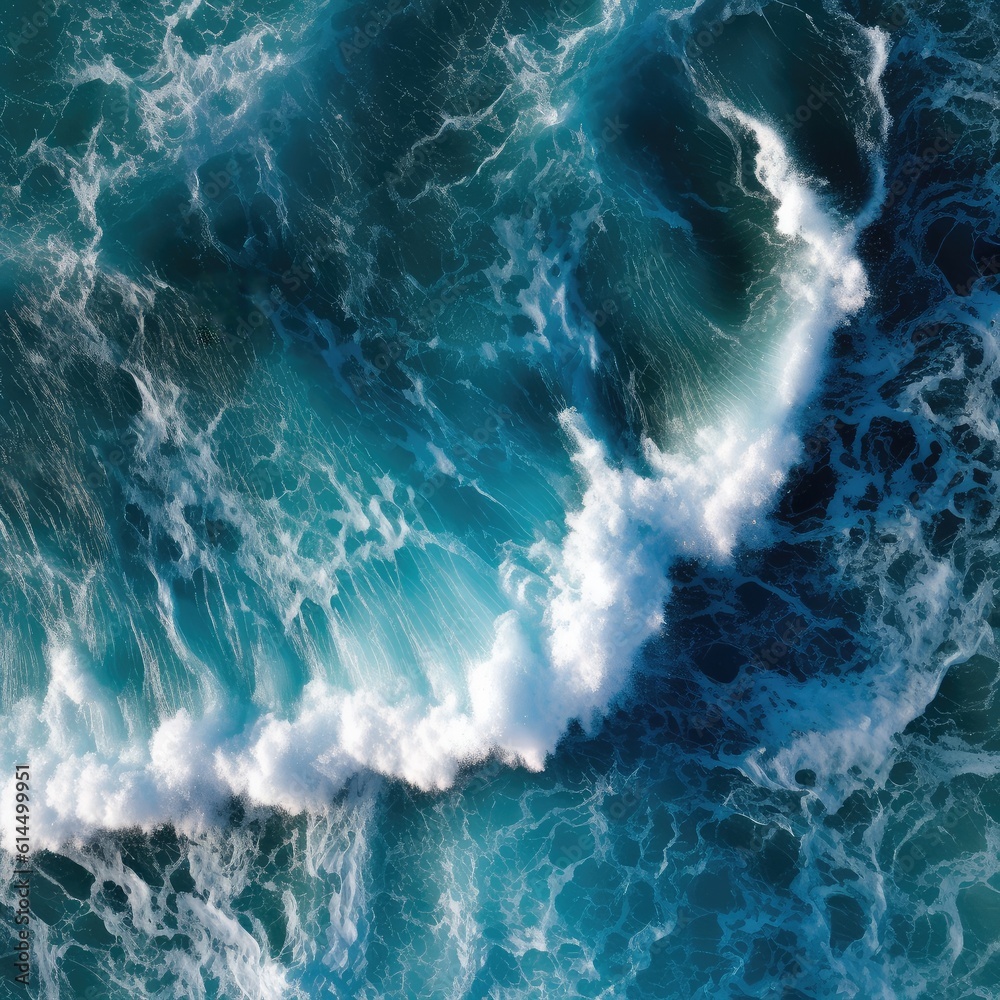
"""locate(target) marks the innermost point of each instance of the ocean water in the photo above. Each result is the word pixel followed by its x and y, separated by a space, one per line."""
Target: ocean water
pixel 497 500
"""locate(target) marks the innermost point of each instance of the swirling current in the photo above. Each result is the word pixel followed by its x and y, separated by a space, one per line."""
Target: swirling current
pixel 496 500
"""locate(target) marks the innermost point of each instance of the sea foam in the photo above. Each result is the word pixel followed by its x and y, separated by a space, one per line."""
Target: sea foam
pixel 556 657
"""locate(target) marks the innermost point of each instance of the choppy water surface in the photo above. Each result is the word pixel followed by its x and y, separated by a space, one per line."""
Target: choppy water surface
pixel 497 501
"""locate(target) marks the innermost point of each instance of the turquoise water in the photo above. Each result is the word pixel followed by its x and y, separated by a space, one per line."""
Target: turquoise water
pixel 497 502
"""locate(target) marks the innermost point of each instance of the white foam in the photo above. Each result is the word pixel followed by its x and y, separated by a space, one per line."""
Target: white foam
pixel 578 614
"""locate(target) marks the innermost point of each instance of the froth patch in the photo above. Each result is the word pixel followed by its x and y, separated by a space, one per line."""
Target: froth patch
pixel 578 613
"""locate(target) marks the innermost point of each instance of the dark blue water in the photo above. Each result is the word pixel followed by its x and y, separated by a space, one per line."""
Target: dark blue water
pixel 498 502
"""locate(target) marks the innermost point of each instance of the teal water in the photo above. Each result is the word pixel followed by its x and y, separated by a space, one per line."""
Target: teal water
pixel 497 501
